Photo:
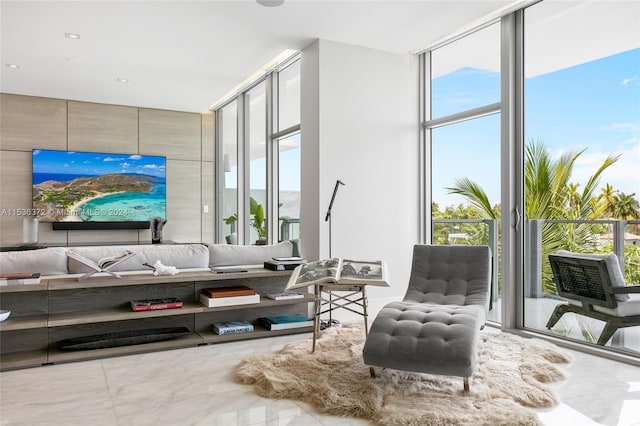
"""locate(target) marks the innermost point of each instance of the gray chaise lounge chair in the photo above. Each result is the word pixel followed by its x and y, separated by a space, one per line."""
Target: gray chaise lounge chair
pixel 435 328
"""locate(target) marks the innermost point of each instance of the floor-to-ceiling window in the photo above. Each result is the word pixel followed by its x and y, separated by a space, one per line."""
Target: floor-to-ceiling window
pixel 288 146
pixel 582 145
pixel 256 110
pixel 572 92
pixel 228 186
pixel 259 142
pixel 462 134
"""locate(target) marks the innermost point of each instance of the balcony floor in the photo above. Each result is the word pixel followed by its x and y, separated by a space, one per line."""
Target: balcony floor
pixel 572 326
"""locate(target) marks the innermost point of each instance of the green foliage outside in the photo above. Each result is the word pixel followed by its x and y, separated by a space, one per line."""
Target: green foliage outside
pixel 256 211
pixel 551 195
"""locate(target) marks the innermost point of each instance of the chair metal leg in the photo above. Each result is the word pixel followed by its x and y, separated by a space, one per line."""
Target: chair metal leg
pixel 466 384
pixel 558 312
pixel 607 332
pixel 372 372
pixel 316 317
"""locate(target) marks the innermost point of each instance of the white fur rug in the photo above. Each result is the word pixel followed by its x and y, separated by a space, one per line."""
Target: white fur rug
pixel 509 377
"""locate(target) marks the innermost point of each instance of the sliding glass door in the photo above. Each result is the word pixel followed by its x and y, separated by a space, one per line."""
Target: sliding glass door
pixel 582 150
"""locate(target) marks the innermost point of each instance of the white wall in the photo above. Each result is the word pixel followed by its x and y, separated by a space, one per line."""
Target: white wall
pixel 360 125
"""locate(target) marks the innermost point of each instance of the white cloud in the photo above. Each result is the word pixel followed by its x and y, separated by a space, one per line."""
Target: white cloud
pixel 107 159
pixel 621 175
pixel 135 157
pixel 36 151
pixel 632 127
pixel 634 79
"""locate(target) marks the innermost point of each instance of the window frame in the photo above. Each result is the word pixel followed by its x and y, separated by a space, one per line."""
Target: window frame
pixel 270 79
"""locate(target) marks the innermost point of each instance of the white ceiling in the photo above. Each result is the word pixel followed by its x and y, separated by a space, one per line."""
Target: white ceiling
pixel 185 55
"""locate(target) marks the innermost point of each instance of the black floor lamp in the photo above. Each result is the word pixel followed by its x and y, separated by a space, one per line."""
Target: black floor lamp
pixel 327 218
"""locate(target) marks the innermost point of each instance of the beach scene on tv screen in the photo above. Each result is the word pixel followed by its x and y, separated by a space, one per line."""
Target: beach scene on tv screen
pixel 70 186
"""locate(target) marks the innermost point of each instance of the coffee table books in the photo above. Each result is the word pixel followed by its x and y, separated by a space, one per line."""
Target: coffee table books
pixel 228 296
pixel 285 322
pixel 232 327
pixel 156 304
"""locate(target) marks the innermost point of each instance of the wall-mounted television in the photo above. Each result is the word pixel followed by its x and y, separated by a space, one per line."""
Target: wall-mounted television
pixel 92 190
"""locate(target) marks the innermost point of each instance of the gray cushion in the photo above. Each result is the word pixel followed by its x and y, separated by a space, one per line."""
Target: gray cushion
pixel 48 261
pixel 450 275
pixel 613 267
pixel 435 329
pixel 182 256
pixel 232 255
pixel 426 338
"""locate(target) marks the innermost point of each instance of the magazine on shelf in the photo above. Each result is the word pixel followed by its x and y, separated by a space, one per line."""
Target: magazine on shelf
pixel 102 265
pixel 285 322
pixel 285 295
pixel 232 327
pixel 156 304
pixel 339 271
pixel 18 278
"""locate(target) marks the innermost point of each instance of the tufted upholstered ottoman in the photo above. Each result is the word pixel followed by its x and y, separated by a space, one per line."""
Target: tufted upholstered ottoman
pixel 435 329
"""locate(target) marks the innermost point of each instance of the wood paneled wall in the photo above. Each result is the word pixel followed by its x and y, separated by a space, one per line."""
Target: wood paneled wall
pixel 186 139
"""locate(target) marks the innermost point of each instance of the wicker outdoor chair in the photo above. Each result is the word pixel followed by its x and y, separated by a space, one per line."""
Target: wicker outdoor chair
pixel 594 286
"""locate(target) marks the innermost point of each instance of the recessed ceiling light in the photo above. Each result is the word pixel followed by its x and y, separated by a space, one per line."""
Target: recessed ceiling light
pixel 270 3
pixel 122 80
pixel 12 66
pixel 74 36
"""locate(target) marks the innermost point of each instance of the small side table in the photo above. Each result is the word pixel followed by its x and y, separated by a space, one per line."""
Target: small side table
pixel 356 295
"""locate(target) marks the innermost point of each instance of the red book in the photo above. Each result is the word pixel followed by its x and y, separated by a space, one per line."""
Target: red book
pixel 155 304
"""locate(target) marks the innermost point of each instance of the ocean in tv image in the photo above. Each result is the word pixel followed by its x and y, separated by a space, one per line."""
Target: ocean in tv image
pixel 98 187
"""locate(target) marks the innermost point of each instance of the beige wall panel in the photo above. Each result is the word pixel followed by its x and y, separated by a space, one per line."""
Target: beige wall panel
pixel 15 197
pixel 177 135
pixel 208 199
pixel 208 137
pixel 119 236
pixel 183 202
pixel 103 128
pixel 15 193
pixel 28 122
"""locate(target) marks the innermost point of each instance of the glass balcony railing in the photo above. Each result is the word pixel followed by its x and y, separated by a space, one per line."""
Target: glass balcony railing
pixel 543 237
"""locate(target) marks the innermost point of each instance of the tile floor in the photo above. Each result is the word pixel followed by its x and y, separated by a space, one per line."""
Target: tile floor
pixel 194 387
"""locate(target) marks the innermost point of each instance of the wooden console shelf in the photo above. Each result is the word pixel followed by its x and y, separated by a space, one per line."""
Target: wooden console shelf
pixel 45 314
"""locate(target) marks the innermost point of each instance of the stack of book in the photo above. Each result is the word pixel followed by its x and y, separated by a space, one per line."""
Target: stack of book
pixel 232 327
pixel 228 296
pixel 284 263
pixel 285 322
pixel 18 278
pixel 156 304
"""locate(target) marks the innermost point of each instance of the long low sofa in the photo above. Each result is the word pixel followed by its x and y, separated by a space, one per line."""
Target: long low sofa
pixel 53 262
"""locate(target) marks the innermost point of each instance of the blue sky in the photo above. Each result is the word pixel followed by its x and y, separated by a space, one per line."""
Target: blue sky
pixel 91 163
pixel 595 105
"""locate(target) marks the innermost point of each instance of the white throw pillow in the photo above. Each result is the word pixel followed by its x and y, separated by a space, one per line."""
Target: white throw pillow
pixel 234 255
pixel 48 261
pixel 182 256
